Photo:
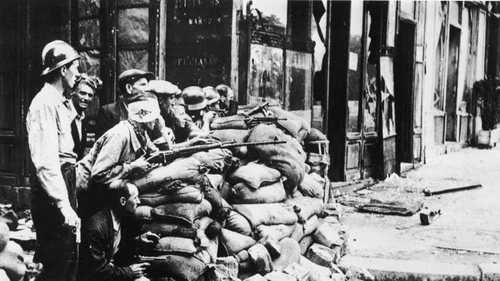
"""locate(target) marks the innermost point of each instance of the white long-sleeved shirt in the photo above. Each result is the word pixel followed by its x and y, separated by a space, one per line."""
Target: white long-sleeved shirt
pixel 48 123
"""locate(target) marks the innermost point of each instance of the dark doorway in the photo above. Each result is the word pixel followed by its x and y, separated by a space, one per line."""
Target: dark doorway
pixel 403 82
pixel 11 71
pixel 451 85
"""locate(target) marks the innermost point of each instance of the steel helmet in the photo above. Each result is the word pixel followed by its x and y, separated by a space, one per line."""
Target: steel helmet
pixel 194 98
pixel 57 54
pixel 211 95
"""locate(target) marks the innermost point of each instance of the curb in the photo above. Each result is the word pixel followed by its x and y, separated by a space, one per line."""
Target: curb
pixel 417 270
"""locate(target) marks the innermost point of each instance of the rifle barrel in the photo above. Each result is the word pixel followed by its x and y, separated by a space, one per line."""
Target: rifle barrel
pixel 252 143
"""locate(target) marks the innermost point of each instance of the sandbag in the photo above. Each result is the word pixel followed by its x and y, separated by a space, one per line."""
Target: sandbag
pixel 214 159
pixel 225 268
pixel 288 158
pixel 175 245
pixel 279 276
pixel 143 212
pixel 260 258
pixel 232 135
pixel 298 271
pixel 272 193
pixel 185 195
pixel 236 242
pixel 315 135
pixel 294 125
pixel 208 252
pixel 312 185
pixel 306 207
pixel 316 272
pixel 163 229
pixel 256 277
pixel 184 213
pixel 298 232
pixel 178 267
pixel 238 223
pixel 225 190
pixel 311 225
pixel 305 243
pixel 255 175
pixel 229 122
pixel 269 214
pixel 220 207
pixel 290 253
pixel 275 232
pixel 189 169
pixel 208 247
pixel 328 234
pixel 215 180
pixel 177 186
pixel 321 255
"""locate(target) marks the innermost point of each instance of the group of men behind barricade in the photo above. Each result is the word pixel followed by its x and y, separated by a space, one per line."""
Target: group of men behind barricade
pixel 71 182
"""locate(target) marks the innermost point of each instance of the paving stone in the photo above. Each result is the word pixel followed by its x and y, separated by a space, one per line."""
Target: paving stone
pixel 390 270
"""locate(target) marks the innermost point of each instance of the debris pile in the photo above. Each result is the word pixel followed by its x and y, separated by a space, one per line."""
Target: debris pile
pixel 254 212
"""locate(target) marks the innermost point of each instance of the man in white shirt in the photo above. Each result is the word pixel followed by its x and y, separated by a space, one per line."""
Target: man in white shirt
pixel 48 124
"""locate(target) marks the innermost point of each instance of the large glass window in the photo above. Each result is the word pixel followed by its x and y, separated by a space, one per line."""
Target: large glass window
pixel 133 35
pixel 265 74
pixel 89 35
pixel 355 62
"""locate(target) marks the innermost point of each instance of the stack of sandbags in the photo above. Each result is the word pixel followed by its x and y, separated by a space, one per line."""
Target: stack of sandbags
pixel 174 206
pixel 288 158
pixel 270 219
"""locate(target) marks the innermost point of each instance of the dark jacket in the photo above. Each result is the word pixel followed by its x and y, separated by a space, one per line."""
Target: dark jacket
pixel 85 142
pixel 109 115
pixel 96 250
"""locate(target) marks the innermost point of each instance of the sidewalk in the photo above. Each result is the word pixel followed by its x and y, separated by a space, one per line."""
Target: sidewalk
pixel 466 235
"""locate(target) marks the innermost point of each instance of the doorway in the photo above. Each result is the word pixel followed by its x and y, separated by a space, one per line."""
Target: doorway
pixel 451 85
pixel 403 82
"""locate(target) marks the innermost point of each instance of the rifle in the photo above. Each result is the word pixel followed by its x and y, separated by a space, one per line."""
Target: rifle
pixel 167 156
pixel 255 120
pixel 261 108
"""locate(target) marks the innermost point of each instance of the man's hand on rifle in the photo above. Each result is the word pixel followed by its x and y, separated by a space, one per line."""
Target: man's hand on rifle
pixel 149 238
pixel 140 165
pixel 138 269
pixel 208 117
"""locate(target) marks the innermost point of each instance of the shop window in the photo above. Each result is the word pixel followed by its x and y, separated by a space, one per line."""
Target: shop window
pixel 374 25
pixel 88 35
pixel 265 74
pixel 113 36
pixel 354 72
pixel 407 8
pixel 440 62
pixel 281 54
pixel 199 42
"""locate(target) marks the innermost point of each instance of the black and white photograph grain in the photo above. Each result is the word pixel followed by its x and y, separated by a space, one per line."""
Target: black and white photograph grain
pixel 249 140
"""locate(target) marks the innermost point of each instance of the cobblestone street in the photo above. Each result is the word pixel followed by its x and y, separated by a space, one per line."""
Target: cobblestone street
pixel 468 231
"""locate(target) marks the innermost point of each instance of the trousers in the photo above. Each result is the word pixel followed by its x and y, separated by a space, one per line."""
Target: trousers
pixel 56 245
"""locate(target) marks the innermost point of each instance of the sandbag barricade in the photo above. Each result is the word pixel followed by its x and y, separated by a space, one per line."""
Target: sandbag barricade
pixel 267 214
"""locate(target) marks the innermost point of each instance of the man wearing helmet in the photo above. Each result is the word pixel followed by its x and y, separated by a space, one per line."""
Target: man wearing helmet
pixel 227 102
pixel 48 124
pixel 196 107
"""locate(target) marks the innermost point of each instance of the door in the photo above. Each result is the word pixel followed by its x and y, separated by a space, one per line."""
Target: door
pixel 354 75
pixel 11 92
pixel 403 81
pixel 451 85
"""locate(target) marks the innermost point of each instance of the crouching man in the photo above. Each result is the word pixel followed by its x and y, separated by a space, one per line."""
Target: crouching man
pixel 109 236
